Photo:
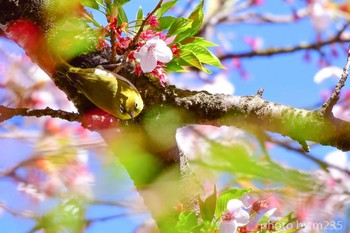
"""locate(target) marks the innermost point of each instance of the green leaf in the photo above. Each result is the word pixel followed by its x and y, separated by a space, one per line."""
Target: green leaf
pixel 120 2
pixel 265 219
pixel 165 22
pixel 187 222
pixel 90 3
pixel 139 17
pixel 221 204
pixel 288 230
pixel 207 208
pixel 237 160
pixel 122 17
pixel 179 25
pixel 189 57
pixel 66 217
pixel 204 55
pixel 197 19
pixel 281 223
pixel 165 7
pixel 200 41
pixel 109 6
pixel 174 66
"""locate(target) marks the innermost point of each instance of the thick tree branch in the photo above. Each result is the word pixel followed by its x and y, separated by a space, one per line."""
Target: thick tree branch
pixel 253 112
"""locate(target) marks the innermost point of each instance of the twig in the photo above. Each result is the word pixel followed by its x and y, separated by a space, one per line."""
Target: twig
pixel 136 38
pixel 24 214
pixel 135 205
pixel 106 218
pixel 7 113
pixel 283 50
pixel 327 107
pixel 322 164
pixel 12 170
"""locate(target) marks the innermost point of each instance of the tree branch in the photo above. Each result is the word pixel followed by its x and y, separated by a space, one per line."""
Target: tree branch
pixel 288 49
pixel 328 106
pixel 7 113
pixel 253 112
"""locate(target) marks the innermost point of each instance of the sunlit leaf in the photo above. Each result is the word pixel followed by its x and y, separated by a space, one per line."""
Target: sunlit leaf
pixel 139 17
pixel 165 22
pixel 204 55
pixel 189 57
pixel 122 17
pixel 197 18
pixel 90 3
pixel 179 25
pixel 165 7
pixel 174 66
pixel 199 41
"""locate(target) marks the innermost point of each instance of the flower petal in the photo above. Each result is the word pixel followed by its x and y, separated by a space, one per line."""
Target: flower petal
pixel 142 52
pixel 228 227
pixel 327 72
pixel 242 217
pixel 148 62
pixel 234 205
pixel 164 53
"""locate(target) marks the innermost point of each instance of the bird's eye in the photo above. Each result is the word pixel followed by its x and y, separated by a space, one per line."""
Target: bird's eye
pixel 121 108
pixel 136 106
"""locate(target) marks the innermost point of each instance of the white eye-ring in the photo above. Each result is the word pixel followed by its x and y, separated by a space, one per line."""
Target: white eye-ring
pixel 121 108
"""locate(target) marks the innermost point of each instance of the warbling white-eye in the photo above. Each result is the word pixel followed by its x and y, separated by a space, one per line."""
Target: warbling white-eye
pixel 107 90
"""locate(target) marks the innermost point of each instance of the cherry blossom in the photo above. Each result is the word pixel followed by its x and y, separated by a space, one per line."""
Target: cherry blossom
pixel 234 217
pixel 327 72
pixel 153 21
pixel 153 51
pixel 321 14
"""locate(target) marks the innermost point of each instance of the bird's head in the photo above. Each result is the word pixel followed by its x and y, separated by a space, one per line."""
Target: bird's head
pixel 130 107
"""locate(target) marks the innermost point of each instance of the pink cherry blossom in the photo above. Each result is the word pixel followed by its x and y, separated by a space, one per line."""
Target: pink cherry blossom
pixel 153 51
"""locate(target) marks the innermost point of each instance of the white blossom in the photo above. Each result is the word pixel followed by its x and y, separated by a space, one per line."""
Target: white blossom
pixel 327 72
pixel 153 51
pixel 235 217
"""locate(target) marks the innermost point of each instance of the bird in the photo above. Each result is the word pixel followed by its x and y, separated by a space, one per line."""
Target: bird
pixel 107 90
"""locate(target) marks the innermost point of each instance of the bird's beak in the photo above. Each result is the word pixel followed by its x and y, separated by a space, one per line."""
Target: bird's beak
pixel 132 115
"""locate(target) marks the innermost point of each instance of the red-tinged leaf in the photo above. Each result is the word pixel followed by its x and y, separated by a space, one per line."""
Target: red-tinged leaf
pixel 29 36
pixel 25 33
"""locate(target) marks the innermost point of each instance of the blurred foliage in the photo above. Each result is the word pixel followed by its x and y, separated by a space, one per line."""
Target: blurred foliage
pixel 238 160
pixel 65 218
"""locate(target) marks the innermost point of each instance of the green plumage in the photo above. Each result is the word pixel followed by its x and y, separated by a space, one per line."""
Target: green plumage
pixel 108 91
